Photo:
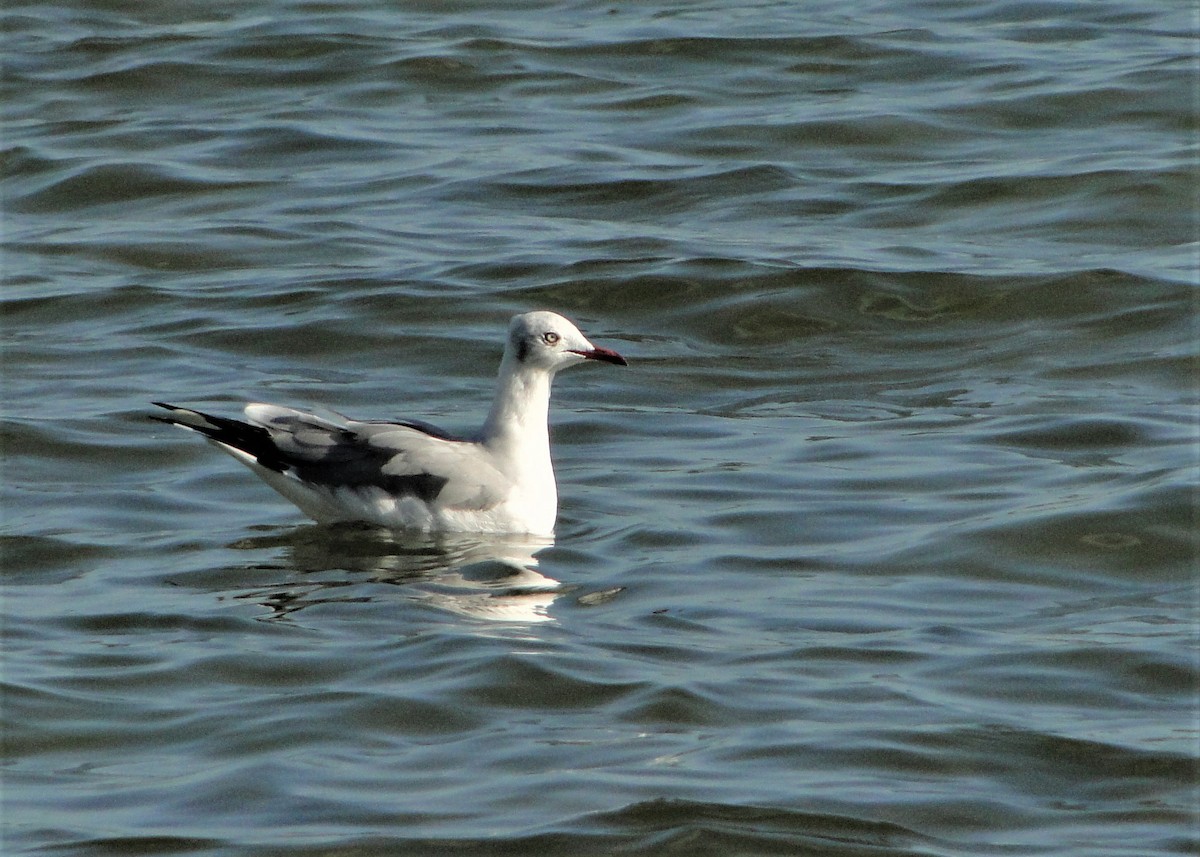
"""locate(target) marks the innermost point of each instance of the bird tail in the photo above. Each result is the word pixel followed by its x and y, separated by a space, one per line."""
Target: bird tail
pixel 253 440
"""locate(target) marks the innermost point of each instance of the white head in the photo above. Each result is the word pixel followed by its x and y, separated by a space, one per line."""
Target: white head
pixel 548 341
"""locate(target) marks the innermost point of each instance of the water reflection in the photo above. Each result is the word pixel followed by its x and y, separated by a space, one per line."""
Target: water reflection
pixel 488 577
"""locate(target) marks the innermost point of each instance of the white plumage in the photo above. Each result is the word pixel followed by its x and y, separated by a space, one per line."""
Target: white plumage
pixel 410 474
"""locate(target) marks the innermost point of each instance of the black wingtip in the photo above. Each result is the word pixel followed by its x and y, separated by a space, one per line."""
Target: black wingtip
pixel 161 419
pixel 248 438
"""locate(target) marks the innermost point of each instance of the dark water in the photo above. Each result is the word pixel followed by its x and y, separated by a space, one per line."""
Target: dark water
pixel 885 543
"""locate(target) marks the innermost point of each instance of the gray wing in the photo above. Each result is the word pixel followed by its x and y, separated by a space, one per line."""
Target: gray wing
pixel 400 458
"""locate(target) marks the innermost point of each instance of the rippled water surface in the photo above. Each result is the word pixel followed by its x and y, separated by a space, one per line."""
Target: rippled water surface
pixel 885 542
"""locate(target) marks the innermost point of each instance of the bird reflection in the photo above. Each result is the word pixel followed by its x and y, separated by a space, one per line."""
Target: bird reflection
pixel 492 578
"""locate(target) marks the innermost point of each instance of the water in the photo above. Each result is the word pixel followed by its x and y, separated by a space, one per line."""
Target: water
pixel 885 543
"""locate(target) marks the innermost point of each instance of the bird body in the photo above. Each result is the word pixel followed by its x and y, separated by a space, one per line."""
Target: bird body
pixel 411 475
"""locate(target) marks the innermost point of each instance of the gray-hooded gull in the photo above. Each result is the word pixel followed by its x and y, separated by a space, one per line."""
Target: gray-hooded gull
pixel 408 474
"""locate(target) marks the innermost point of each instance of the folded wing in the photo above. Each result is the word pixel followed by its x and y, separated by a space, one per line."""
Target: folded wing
pixel 330 452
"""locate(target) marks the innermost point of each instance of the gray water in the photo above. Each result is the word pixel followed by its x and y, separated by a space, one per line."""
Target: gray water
pixel 884 544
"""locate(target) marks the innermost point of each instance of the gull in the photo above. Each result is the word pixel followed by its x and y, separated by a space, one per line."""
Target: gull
pixel 409 474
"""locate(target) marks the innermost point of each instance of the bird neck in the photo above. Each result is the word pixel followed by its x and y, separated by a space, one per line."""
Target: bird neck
pixel 517 425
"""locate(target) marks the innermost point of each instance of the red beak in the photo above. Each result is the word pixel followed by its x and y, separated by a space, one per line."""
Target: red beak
pixel 606 355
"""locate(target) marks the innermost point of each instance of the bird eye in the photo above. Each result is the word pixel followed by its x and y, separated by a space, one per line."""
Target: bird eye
pixel 550 337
